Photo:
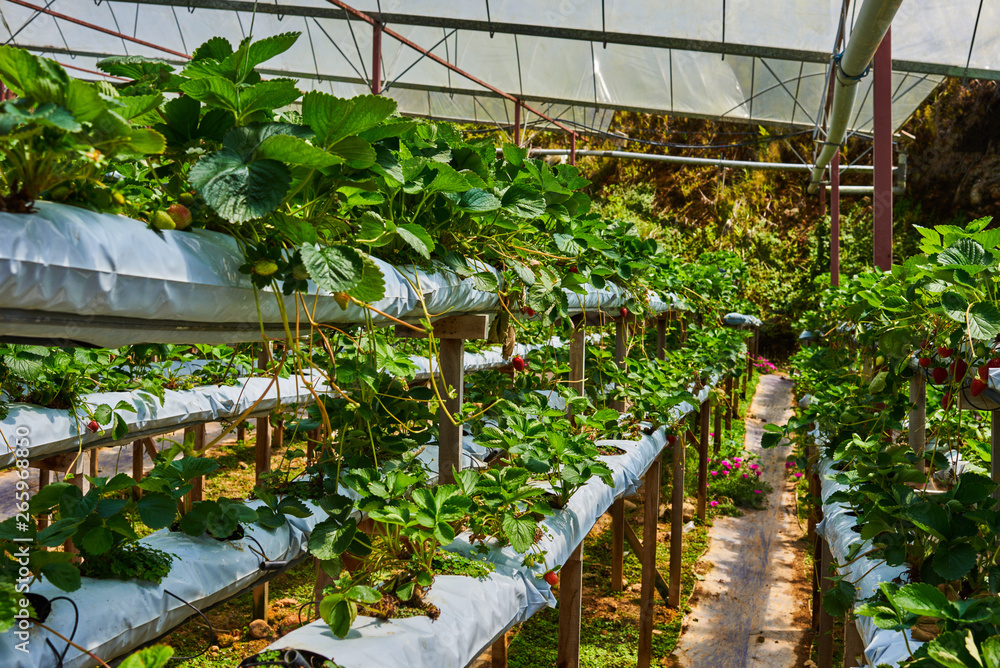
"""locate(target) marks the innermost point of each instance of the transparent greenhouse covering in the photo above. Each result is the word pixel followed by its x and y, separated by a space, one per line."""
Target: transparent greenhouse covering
pixel 577 61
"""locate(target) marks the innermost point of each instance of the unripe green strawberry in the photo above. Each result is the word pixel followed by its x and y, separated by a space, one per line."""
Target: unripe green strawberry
pixel 300 273
pixel 187 199
pixel 265 267
pixel 162 221
pixel 181 216
pixel 118 198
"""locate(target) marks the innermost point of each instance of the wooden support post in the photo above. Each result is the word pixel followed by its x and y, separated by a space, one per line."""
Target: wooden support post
pixel 45 478
pixel 498 652
pixel 651 511
pixel 854 646
pixel 824 643
pixel 451 333
pixel 661 337
pixel 570 599
pixel 577 357
pixel 918 414
pixel 262 465
pixel 138 467
pixel 749 369
pixel 676 524
pixel 95 465
pixel 617 544
pixel 995 450
pixel 717 427
pixel 449 433
pixel 312 438
pixel 661 585
pixel 814 491
pixel 730 403
pixel 150 448
pixel 241 432
pixel 703 421
pixel 620 333
pixel 817 595
pixel 198 484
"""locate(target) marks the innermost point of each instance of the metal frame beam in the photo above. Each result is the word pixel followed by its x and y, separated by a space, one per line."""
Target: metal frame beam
pixel 488 27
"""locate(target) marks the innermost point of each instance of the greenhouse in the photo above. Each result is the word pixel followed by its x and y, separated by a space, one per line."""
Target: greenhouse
pixel 444 334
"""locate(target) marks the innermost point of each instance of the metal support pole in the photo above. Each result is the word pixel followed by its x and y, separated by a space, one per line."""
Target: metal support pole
pixel 882 200
pixel 704 415
pixel 517 123
pixel 572 149
pixel 647 591
pixel 198 484
pixel 570 599
pixel 377 59
pixel 45 478
pixel 835 220
pixel 577 356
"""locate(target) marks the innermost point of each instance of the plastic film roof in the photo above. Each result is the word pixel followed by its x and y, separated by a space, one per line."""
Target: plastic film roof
pixel 575 60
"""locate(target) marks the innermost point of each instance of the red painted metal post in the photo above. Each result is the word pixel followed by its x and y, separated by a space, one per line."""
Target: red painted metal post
pixel 835 220
pixel 517 123
pixel 377 59
pixel 572 149
pixel 882 201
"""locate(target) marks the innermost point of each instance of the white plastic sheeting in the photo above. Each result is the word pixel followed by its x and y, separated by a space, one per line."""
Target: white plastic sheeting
pixel 52 431
pixel 576 59
pixel 117 616
pixel 74 276
pixel 881 646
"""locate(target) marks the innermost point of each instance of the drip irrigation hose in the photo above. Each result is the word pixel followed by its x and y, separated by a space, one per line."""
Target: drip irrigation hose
pixel 291 658
pixel 302 607
pixel 266 564
pixel 211 629
pixel 76 622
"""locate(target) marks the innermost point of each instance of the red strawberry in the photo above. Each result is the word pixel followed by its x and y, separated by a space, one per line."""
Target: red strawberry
pixel 623 311
pixel 946 400
pixel 181 215
pixel 984 372
pixel 958 368
pixel 552 578
pixel 880 406
pixel 923 344
pixel 977 387
pixel 994 363
pixel 93 426
pixel 528 311
pixel 925 362
pixel 574 270
pixel 519 363
pixel 939 374
pixel 945 352
pixel 671 439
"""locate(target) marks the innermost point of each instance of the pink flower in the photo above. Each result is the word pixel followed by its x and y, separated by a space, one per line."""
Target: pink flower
pixel 754 467
pixel 713 503
pixel 757 473
pixel 798 474
pixel 737 459
pixel 757 491
pixel 789 465
pixel 715 473
pixel 746 475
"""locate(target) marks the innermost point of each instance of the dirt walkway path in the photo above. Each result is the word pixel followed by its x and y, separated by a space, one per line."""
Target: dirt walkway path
pixel 751 609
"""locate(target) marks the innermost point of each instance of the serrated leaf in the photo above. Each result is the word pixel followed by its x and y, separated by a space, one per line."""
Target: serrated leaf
pixel 295 151
pixel 523 201
pixel 358 153
pixel 984 321
pixel 240 191
pixel 485 281
pixel 371 287
pixel 515 155
pixel 335 268
pixel 333 118
pixel 953 561
pixel 520 532
pixel 476 201
pixel 157 509
pixel 97 541
pixel 921 599
pixel 954 306
pixel 417 238
pixel 156 656
pixel 965 253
